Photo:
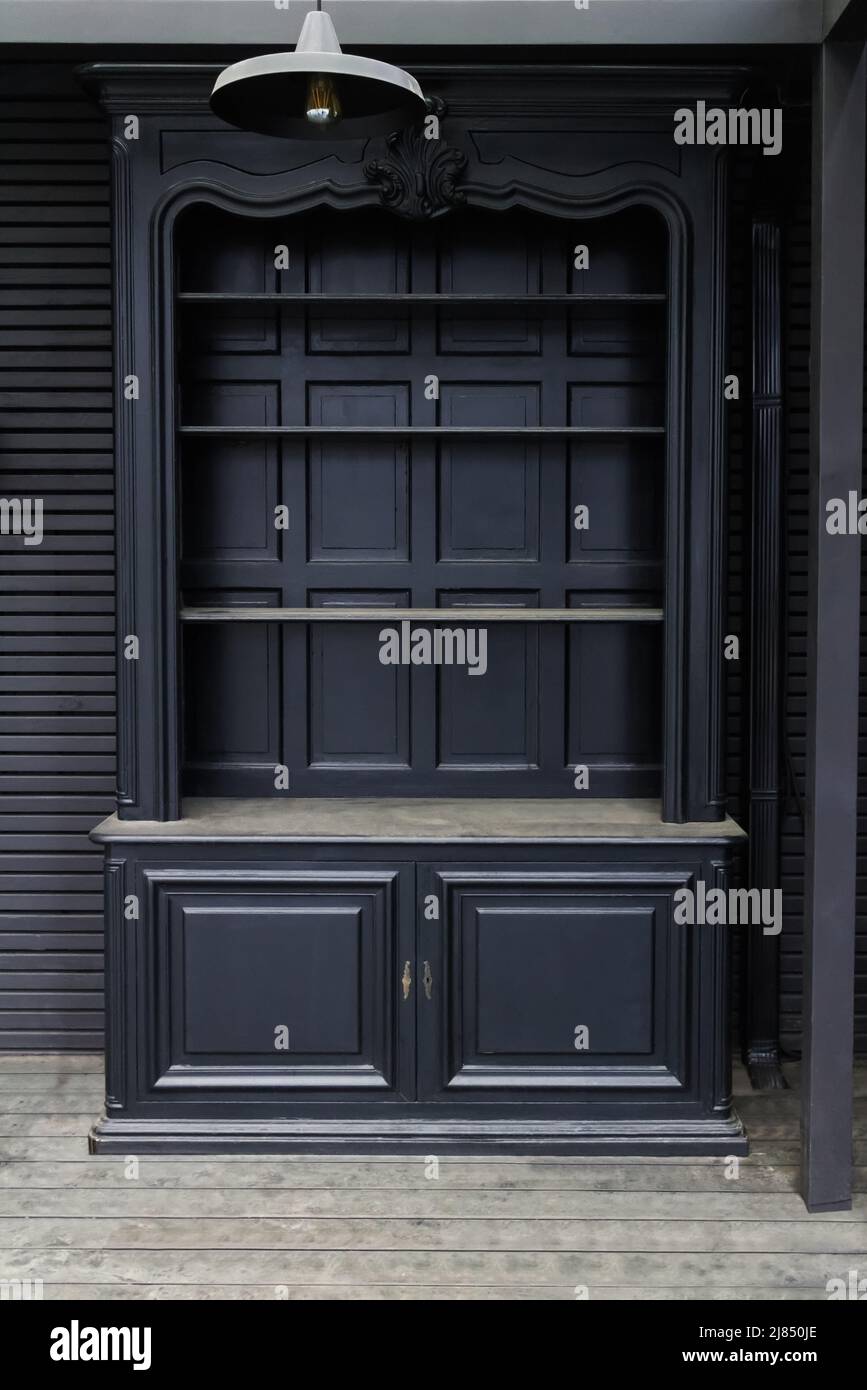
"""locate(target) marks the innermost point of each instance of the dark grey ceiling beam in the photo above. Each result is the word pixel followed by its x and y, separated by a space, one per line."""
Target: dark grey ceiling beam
pixel 833 624
pixel 488 23
pixel 845 19
pixel 834 10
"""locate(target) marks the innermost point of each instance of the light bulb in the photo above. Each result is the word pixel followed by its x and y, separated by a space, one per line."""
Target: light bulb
pixel 323 103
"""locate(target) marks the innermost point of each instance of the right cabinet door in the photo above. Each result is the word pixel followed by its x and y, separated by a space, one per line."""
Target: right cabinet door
pixel 545 981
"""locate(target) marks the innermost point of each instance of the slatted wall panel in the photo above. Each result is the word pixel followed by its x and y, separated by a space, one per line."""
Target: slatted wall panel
pixel 796 465
pixel 797 484
pixel 57 709
pixel 861 883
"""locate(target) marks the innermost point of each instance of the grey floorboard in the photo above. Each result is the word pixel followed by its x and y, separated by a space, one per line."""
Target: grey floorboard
pixel 413 1293
pixel 136 1201
pixel 700 1270
pixel 302 1228
pixel 438 1234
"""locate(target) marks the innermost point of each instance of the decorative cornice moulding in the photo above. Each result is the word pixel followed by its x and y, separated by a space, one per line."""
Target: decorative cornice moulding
pixel 533 89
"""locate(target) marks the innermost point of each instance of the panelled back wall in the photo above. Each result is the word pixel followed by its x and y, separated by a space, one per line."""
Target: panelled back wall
pixel 57 654
pixel 386 530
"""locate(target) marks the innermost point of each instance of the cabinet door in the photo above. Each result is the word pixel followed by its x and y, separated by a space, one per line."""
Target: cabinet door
pixel 274 980
pixel 549 981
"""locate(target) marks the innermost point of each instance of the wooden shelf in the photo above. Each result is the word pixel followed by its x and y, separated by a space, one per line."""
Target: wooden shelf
pixel 484 301
pixel 335 614
pixel 416 431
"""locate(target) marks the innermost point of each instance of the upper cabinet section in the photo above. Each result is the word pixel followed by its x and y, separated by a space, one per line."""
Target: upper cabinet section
pixel 389 263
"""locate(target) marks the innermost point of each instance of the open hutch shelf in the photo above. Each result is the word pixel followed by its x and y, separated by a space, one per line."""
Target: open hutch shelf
pixel 430 444
pixel 448 887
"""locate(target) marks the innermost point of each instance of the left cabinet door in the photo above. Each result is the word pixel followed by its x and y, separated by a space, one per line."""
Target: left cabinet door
pixel 272 980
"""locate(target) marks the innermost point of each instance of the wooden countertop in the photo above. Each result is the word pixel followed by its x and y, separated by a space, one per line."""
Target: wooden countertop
pixel 489 819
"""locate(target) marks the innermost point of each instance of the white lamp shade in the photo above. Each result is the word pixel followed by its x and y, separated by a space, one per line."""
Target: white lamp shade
pixel 268 94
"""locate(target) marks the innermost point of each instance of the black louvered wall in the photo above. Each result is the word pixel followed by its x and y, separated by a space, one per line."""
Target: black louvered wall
pixel 796 483
pixel 56 609
pixel 57 711
pixel 796 496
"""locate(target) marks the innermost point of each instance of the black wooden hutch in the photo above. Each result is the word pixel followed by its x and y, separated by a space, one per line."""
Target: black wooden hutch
pixel 360 907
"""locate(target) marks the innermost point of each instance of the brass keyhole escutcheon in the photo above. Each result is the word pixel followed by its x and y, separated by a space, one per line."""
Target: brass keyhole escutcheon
pixel 406 980
pixel 427 980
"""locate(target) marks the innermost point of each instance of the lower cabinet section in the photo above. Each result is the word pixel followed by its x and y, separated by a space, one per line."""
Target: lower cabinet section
pixel 313 997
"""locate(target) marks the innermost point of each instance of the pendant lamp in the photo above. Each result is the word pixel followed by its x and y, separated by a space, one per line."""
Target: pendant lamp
pixel 317 92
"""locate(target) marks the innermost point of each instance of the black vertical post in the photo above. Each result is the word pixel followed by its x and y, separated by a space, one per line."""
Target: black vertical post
pixel 836 401
pixel 762 1031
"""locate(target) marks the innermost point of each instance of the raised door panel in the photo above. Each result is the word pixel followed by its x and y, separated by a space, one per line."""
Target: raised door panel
pixel 232 709
pixel 614 706
pixel 488 709
pixel 228 496
pixel 372 729
pixel 272 981
pixel 619 482
pixel 489 490
pixel 373 259
pixel 553 982
pixel 358 490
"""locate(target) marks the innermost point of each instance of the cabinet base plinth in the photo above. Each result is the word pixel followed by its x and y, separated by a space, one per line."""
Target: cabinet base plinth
pixel 709 1138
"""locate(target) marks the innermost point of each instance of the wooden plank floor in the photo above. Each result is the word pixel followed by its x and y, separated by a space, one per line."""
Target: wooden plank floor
pixel 306 1228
